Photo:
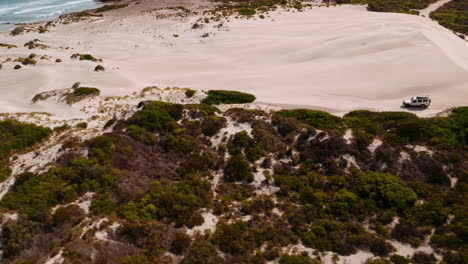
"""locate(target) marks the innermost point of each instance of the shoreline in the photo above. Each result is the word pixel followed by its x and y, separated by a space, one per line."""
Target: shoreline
pixel 8 26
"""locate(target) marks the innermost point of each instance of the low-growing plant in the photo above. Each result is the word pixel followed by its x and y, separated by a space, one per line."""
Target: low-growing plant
pixel 60 129
pixel 82 125
pixel 29 61
pixel 315 118
pixel 157 115
pixel 110 7
pixel 99 68
pixel 9 46
pixel 453 15
pixel 228 97
pixel 86 91
pixel 190 93
pixel 85 57
pixel 238 169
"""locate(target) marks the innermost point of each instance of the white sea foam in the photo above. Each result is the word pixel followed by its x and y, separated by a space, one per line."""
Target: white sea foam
pixel 34 9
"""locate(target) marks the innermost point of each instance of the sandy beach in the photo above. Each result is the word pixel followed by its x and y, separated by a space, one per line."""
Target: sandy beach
pixel 337 58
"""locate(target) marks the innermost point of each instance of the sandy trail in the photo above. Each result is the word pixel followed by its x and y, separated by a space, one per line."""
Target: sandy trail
pixel 338 59
pixel 433 7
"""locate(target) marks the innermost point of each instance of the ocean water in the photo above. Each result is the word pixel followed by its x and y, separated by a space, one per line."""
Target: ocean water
pixel 25 11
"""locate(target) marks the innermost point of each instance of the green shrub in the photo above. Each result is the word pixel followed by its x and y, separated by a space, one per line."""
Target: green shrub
pixel 398 6
pixel 183 144
pixel 227 97
pixel 82 125
pixel 225 233
pixel 29 61
pixel 211 125
pixel 9 46
pixel 140 134
pixel 180 243
pixel 86 91
pixel 110 7
pixel 60 129
pixel 386 190
pixel 88 57
pixel 18 235
pixel 246 12
pixel 297 259
pixel 257 205
pixel 4 172
pixel 15 135
pixel 177 203
pixel 238 169
pixel 397 259
pixel 238 142
pixel 315 118
pixel 102 204
pixel 101 148
pixel 36 195
pixel 297 5
pixel 157 116
pixel 202 252
pixel 453 15
pixel 400 128
pixel 99 68
pixel 71 214
pixel 437 175
pixel 190 93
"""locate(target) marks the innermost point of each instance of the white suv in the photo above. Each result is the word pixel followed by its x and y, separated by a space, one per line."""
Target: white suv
pixel 417 101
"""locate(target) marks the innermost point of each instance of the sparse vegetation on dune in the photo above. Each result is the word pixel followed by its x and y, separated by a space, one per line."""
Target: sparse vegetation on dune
pixel 453 15
pixel 228 97
pixel 9 46
pixel 86 91
pixel 399 6
pixel 110 7
pixel 99 68
pixel 35 44
pixel 88 57
pixel 29 61
pixel 190 93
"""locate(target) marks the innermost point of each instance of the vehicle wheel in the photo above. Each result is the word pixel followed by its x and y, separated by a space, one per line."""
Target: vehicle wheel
pixel 423 106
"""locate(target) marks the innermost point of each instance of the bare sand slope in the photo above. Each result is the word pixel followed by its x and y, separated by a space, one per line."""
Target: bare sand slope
pixel 337 58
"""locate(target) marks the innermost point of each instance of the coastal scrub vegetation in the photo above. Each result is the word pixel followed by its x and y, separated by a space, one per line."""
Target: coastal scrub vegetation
pixel 279 182
pixel 190 93
pixel 399 6
pixel 402 127
pixel 17 136
pixel 110 7
pixel 453 15
pixel 88 57
pixel 315 118
pixel 8 46
pixel 86 91
pixel 249 8
pixel 228 97
pixel 99 68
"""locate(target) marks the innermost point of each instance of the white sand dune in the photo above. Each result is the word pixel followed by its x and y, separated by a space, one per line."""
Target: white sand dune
pixel 336 58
